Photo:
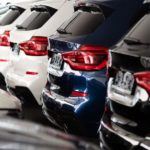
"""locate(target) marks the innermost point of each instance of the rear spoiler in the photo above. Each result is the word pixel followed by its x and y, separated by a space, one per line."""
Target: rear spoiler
pixel 100 7
pixel 79 4
pixel 42 8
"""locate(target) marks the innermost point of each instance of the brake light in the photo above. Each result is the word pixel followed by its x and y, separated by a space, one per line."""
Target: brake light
pixel 143 80
pixel 4 39
pixel 87 57
pixel 78 94
pixel 31 73
pixel 37 46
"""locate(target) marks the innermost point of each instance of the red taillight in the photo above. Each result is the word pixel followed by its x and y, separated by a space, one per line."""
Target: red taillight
pixel 87 57
pixel 78 94
pixel 4 39
pixel 37 46
pixel 143 80
pixel 31 73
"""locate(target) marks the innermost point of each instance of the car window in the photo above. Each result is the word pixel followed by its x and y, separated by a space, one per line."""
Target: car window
pixel 11 15
pixel 140 32
pixel 82 22
pixel 37 18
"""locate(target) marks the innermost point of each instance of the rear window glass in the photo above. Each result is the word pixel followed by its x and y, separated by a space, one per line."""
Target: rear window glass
pixel 82 22
pixel 11 15
pixel 36 19
pixel 141 32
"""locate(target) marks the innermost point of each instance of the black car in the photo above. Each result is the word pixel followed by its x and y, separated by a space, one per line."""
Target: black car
pixel 74 96
pixel 22 135
pixel 126 121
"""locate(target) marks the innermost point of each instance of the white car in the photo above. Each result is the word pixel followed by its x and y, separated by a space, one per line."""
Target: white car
pixel 8 21
pixel 9 104
pixel 28 73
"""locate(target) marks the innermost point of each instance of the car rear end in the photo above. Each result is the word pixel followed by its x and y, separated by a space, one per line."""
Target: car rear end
pixel 7 22
pixel 29 51
pixel 74 96
pixel 126 117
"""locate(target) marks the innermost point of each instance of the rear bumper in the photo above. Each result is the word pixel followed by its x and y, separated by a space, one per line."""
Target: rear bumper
pixel 65 116
pixel 9 104
pixel 30 83
pixel 113 137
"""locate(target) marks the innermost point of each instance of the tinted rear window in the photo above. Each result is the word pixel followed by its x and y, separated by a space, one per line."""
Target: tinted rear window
pixel 82 22
pixel 141 31
pixel 11 15
pixel 36 19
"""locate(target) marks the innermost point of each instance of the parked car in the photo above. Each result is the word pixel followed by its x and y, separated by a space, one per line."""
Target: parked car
pixel 22 135
pixel 7 22
pixel 74 96
pixel 126 119
pixel 28 73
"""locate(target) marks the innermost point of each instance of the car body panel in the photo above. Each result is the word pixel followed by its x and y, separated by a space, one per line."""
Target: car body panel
pixel 22 62
pixel 64 81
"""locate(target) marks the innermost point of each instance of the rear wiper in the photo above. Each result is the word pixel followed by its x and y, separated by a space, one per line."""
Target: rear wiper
pixel 63 31
pixel 133 41
pixel 20 27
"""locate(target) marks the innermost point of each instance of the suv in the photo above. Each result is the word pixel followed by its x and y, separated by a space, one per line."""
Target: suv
pixel 7 22
pixel 127 114
pixel 28 74
pixel 74 96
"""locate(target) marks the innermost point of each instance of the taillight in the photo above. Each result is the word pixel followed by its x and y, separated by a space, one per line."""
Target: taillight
pixel 4 39
pixel 143 80
pixel 87 57
pixel 79 94
pixel 37 46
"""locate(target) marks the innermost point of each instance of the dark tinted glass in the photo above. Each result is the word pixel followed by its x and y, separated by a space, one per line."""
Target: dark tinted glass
pixel 36 19
pixel 141 32
pixel 10 16
pixel 82 22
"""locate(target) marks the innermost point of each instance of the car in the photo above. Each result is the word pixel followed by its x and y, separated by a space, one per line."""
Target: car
pixel 28 74
pixel 126 118
pixel 23 135
pixel 74 96
pixel 8 21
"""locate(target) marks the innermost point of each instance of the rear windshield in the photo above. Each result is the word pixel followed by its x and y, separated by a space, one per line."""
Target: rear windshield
pixel 83 21
pixel 11 15
pixel 37 18
pixel 141 32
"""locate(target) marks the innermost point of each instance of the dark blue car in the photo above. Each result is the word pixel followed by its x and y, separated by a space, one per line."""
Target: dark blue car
pixel 75 94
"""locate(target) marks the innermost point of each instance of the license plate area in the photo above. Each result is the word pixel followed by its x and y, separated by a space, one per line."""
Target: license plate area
pixel 123 83
pixel 16 49
pixel 56 61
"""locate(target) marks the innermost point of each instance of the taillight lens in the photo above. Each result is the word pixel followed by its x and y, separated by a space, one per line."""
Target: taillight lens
pixel 78 94
pixel 4 39
pixel 37 46
pixel 143 80
pixel 87 57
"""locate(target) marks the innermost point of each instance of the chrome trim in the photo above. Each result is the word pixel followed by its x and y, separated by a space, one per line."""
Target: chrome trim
pixel 125 99
pixel 127 136
pixel 115 118
pixel 73 102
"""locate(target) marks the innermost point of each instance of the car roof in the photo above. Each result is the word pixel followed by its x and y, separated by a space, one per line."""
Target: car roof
pixel 53 3
pixel 25 4
pixel 109 3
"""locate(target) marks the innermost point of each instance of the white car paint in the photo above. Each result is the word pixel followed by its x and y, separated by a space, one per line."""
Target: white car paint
pixel 20 64
pixel 8 102
pixel 5 51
